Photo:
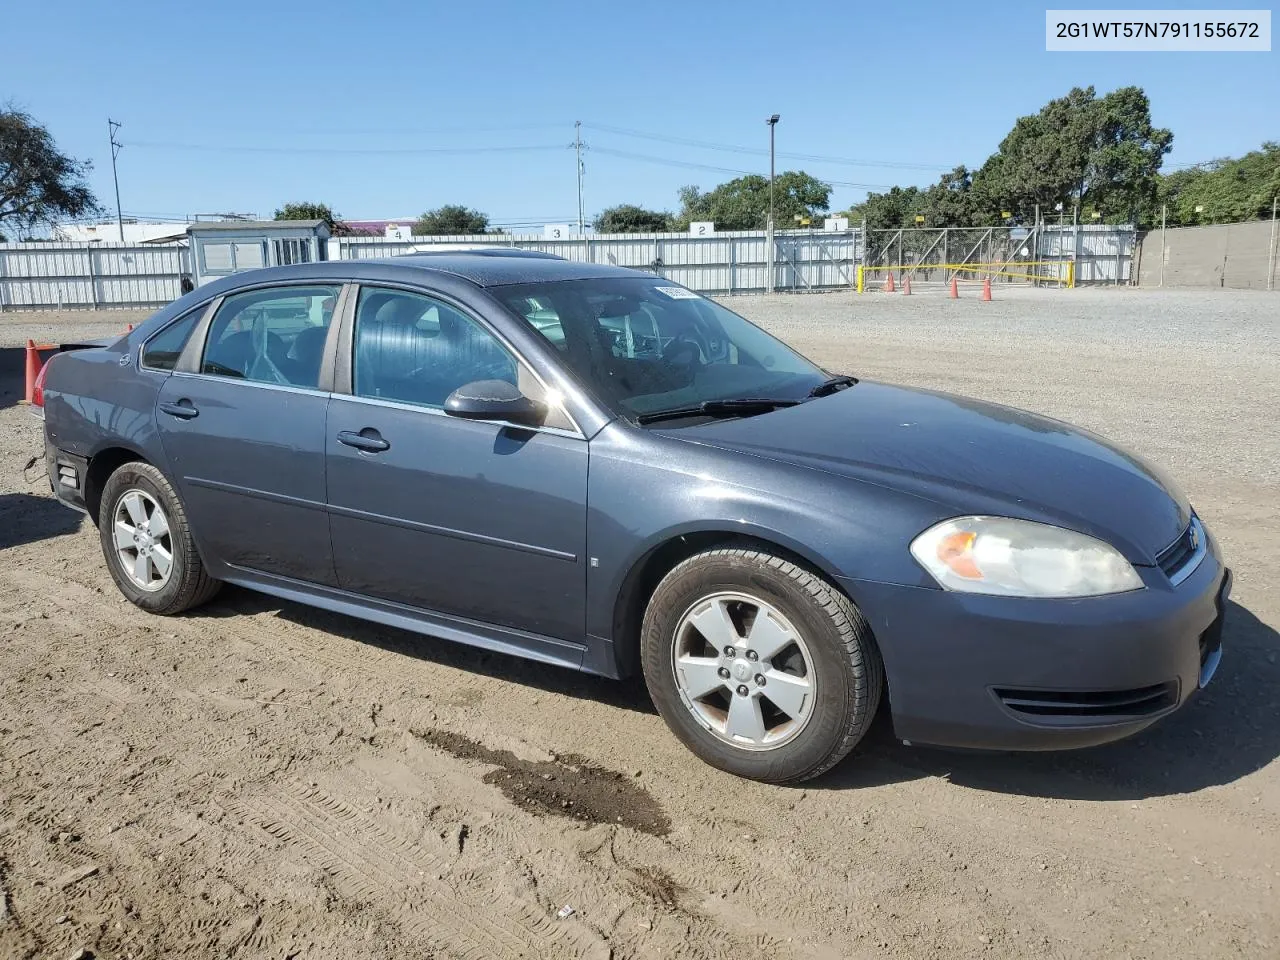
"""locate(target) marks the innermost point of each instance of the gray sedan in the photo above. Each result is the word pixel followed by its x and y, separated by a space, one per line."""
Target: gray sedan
pixel 598 468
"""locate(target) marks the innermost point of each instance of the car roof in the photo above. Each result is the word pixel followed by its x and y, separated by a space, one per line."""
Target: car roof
pixel 482 269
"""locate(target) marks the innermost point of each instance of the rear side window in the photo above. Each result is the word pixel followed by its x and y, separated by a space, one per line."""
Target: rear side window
pixel 271 336
pixel 161 352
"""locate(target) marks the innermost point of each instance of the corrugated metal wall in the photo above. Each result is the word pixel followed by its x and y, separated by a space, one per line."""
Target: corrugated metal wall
pixel 52 275
pixel 61 274
pixel 1239 256
pixel 1103 253
pixel 725 263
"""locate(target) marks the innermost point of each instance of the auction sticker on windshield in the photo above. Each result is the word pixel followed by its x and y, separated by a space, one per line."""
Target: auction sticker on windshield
pixel 679 293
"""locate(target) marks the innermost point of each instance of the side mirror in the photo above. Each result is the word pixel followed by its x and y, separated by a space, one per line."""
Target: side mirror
pixel 495 400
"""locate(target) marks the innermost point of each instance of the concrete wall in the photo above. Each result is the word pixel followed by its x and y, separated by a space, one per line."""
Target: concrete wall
pixel 1238 256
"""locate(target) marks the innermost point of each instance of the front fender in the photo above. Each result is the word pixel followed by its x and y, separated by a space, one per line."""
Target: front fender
pixel 646 490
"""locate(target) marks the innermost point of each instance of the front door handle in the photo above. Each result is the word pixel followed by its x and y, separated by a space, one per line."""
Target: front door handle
pixel 369 440
pixel 184 409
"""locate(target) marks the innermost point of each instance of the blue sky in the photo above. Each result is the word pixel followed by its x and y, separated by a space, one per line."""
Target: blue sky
pixel 351 103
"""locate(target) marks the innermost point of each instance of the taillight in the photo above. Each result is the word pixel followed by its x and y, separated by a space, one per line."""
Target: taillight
pixel 37 389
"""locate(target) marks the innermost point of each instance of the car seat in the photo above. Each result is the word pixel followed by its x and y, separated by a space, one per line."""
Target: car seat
pixel 389 348
pixel 305 356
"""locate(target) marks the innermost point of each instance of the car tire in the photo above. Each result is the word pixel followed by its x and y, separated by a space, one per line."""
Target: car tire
pixel 834 653
pixel 186 584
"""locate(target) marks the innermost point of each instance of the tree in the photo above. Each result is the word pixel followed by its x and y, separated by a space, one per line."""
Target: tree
pixel 318 211
pixel 308 211
pixel 1229 190
pixel 743 204
pixel 451 219
pixel 628 218
pixel 1098 152
pixel 38 183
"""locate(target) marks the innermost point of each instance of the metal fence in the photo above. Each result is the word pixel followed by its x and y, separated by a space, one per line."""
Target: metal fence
pixel 726 263
pixel 48 275
pixel 1052 253
pixel 86 275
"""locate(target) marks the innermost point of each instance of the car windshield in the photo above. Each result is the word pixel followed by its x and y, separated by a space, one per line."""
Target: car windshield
pixel 645 345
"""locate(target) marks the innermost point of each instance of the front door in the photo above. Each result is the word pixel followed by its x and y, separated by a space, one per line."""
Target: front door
pixel 472 519
pixel 244 432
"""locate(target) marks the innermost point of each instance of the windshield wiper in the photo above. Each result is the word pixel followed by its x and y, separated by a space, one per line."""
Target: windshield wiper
pixel 831 385
pixel 736 407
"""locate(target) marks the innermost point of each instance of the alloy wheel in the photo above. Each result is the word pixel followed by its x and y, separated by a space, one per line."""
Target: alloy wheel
pixel 743 671
pixel 143 541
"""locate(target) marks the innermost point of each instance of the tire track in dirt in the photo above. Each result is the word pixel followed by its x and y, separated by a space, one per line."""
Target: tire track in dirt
pixel 630 896
pixel 400 877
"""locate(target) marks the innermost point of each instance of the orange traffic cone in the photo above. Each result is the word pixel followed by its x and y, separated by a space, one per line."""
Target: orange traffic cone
pixel 986 288
pixel 888 282
pixel 955 290
pixel 906 286
pixel 32 371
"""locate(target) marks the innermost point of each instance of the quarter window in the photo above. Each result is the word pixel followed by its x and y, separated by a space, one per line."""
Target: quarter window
pixel 161 352
pixel 271 336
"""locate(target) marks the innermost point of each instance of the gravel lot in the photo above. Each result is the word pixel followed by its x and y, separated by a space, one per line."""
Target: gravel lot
pixel 258 779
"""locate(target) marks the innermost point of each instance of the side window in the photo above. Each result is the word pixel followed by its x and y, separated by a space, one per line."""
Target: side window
pixel 415 349
pixel 161 352
pixel 271 336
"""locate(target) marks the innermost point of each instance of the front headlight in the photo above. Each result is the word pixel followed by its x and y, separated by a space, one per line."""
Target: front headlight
pixel 1019 558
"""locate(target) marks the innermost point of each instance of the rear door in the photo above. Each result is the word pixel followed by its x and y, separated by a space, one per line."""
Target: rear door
pixel 242 420
pixel 476 519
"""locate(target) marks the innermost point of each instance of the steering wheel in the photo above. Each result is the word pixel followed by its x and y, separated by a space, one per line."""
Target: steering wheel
pixel 680 345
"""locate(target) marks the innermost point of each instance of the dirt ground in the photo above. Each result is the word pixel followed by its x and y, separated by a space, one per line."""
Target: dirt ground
pixel 259 779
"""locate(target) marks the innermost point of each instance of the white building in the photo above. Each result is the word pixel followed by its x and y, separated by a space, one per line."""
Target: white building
pixel 135 231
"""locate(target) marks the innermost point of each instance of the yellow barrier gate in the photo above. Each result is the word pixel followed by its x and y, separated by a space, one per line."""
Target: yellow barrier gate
pixel 1042 272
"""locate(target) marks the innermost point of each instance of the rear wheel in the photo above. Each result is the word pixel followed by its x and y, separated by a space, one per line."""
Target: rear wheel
pixel 760 667
pixel 147 542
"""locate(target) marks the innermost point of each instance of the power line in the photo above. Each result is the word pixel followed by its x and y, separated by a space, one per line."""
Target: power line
pixel 330 130
pixel 341 151
pixel 649 158
pixel 753 151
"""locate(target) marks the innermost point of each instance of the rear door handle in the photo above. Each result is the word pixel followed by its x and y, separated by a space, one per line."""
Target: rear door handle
pixel 183 409
pixel 368 440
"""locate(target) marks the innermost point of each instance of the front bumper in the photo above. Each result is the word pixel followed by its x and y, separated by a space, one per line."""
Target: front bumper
pixel 1020 674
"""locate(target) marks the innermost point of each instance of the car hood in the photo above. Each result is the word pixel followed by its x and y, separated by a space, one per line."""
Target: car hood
pixel 971 457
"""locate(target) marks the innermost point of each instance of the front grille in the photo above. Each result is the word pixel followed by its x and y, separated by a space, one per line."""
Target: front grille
pixel 1179 558
pixel 1089 705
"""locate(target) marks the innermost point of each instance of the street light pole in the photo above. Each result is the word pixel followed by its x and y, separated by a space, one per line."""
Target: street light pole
pixel 769 243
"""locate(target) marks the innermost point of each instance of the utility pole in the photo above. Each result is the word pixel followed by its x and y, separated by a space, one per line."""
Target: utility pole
pixel 1075 241
pixel 577 148
pixel 112 127
pixel 769 242
pixel 1271 267
pixel 1164 249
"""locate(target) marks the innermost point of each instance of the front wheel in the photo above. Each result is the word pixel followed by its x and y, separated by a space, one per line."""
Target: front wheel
pixel 147 542
pixel 760 667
